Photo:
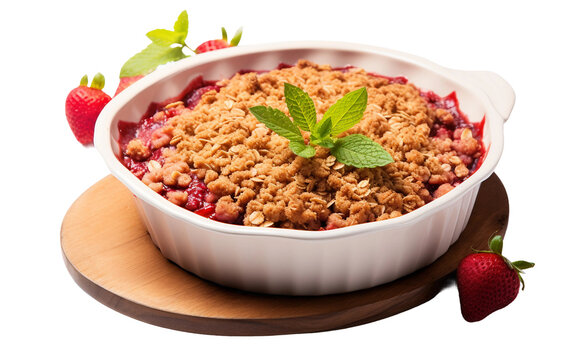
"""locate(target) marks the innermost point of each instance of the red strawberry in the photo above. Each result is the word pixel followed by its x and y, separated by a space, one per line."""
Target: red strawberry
pixel 487 281
pixel 83 106
pixel 220 43
pixel 124 82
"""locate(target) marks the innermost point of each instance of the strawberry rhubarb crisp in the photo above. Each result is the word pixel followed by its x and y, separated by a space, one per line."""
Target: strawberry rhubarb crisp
pixel 208 153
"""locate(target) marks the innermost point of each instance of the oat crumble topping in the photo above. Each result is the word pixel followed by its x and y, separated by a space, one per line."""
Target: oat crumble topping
pixel 253 178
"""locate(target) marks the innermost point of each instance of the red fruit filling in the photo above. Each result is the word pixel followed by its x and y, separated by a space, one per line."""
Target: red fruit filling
pixel 199 199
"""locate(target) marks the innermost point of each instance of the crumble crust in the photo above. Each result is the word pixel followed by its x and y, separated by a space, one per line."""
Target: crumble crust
pixel 258 180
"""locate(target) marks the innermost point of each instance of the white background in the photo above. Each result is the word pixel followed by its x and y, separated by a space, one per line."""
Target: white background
pixel 48 45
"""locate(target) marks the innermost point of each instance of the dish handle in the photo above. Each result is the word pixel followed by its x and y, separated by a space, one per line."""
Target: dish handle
pixel 499 92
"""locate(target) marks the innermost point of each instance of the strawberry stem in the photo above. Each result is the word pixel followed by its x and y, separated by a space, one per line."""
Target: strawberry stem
pixel 98 82
pixel 522 265
pixel 235 40
pixel 84 81
pixel 495 244
pixel 224 34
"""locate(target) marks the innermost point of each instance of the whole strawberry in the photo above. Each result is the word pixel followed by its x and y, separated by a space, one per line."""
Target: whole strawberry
pixel 487 281
pixel 220 43
pixel 83 106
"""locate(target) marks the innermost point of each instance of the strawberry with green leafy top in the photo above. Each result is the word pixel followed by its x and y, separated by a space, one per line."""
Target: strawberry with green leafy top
pixel 487 281
pixel 220 43
pixel 83 106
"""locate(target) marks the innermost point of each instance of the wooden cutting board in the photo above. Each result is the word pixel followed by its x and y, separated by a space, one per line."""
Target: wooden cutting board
pixel 110 255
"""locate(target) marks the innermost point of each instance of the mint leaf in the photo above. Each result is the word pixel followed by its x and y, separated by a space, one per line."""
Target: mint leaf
pixel 320 135
pixel 168 37
pixel 323 128
pixel 301 149
pixel 347 111
pixel 278 122
pixel 360 151
pixel 150 58
pixel 325 142
pixel 181 26
pixel 165 37
pixel 300 106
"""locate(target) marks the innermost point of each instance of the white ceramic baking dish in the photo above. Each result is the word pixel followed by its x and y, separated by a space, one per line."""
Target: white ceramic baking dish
pixel 297 262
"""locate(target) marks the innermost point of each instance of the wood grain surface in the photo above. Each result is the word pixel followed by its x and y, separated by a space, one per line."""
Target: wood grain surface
pixel 108 252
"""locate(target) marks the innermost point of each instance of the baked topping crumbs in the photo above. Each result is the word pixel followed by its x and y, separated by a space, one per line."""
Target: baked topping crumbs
pixel 216 159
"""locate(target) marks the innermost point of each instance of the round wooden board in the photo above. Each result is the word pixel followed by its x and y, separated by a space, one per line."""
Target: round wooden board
pixel 110 255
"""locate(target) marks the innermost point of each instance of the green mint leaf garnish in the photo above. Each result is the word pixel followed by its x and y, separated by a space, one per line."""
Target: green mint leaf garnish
pixel 324 128
pixel 181 26
pixel 150 58
pixel 278 122
pixel 301 149
pixel 300 106
pixel 168 37
pixel 360 151
pixel 356 150
pixel 166 46
pixel 325 142
pixel 347 111
pixel 165 37
pixel 321 134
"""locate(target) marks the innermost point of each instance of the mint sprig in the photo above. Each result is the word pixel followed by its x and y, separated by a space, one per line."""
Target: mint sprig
pixel 356 150
pixel 166 46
